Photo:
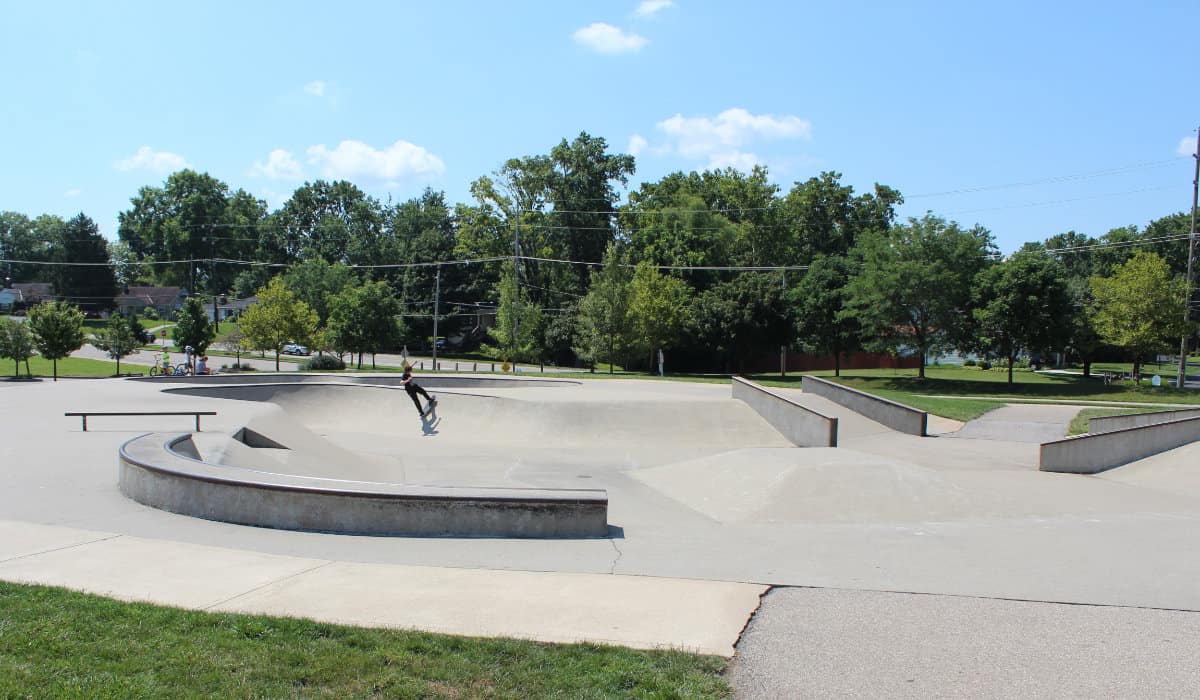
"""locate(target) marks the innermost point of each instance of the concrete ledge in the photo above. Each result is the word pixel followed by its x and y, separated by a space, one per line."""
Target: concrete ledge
pixel 1107 424
pixel 164 471
pixel 896 416
pixel 800 424
pixel 1093 453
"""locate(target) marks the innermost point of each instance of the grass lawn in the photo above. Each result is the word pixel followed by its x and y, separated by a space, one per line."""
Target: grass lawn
pixel 58 643
pixel 1079 424
pixel 72 367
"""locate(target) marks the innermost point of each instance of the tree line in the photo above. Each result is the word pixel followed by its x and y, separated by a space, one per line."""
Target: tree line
pixel 718 267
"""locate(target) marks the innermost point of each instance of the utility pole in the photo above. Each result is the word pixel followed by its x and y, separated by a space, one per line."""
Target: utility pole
pixel 1187 297
pixel 437 293
pixel 515 311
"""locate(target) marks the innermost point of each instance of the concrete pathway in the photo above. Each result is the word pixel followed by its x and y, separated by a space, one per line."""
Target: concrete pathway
pixel 809 643
pixel 635 611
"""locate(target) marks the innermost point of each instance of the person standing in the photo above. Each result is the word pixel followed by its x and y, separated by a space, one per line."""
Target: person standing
pixel 660 362
pixel 411 386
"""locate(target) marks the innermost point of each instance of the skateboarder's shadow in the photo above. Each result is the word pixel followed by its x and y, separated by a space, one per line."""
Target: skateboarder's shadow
pixel 430 421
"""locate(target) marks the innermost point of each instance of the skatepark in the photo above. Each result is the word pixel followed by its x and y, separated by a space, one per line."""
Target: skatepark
pixel 710 512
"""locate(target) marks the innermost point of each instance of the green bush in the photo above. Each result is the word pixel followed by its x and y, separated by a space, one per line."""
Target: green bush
pixel 985 365
pixel 323 361
pixel 150 313
pixel 968 363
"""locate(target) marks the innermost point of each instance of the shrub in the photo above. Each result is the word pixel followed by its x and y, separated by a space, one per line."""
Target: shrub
pixel 985 365
pixel 968 363
pixel 323 362
pixel 235 367
pixel 150 313
pixel 1021 364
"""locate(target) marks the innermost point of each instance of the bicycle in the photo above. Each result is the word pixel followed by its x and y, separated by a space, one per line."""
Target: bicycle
pixel 169 369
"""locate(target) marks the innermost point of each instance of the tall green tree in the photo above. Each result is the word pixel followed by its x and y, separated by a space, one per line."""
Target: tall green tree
pixel 277 319
pixel 365 319
pixel 741 318
pixel 1022 303
pixel 518 326
pixel 33 240
pixel 116 339
pixel 658 309
pixel 16 344
pixel 57 330
pixel 825 217
pixel 85 276
pixel 316 283
pixel 326 220
pixel 193 326
pixel 1139 307
pixel 823 323
pixel 192 218
pixel 913 288
pixel 604 332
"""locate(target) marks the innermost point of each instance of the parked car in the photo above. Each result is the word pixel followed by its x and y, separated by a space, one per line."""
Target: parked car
pixel 294 349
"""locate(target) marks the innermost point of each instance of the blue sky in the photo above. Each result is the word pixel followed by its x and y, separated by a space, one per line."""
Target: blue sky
pixel 929 98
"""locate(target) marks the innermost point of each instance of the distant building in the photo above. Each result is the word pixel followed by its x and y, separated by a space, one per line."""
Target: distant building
pixel 23 295
pixel 164 300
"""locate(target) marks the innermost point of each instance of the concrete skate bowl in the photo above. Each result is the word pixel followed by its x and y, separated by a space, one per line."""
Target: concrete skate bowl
pixel 500 458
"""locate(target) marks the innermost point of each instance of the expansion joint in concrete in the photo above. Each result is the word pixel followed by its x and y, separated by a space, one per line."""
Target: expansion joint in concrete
pixel 256 589
pixel 59 549
pixel 613 569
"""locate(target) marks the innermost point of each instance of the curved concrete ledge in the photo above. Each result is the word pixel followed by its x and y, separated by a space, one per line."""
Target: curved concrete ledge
pixel 164 470
pixel 1096 452
pixel 434 381
pixel 801 425
pixel 896 416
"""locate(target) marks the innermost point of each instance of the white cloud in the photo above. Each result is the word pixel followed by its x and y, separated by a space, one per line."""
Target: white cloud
pixel 147 158
pixel 316 88
pixel 637 145
pixel 73 192
pixel 649 8
pixel 1187 146
pixel 355 159
pixel 738 160
pixel 280 165
pixel 606 38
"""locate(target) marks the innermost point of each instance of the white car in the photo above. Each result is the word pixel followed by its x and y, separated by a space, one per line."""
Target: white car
pixel 294 349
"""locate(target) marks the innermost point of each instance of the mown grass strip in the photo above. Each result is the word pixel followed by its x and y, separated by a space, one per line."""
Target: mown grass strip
pixel 58 643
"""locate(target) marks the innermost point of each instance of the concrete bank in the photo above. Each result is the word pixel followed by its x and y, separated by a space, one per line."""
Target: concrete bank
pixel 165 471
pixel 803 426
pixel 896 416
pixel 1096 452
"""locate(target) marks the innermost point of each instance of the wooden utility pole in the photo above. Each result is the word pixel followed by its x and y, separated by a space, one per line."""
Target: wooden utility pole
pixel 1187 297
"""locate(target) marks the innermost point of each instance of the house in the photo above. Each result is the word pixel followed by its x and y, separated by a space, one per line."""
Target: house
pixel 164 300
pixel 23 295
pixel 232 308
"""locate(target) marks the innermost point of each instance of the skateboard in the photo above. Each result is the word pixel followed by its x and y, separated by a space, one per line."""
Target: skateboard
pixel 429 406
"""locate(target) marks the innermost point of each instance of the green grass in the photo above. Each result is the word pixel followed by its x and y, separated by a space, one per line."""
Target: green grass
pixel 1079 424
pixel 72 367
pixel 58 643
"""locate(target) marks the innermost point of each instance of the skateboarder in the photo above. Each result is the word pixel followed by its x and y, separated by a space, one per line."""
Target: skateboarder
pixel 406 381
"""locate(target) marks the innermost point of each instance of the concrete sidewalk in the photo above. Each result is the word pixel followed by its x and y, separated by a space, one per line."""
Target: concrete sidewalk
pixel 642 612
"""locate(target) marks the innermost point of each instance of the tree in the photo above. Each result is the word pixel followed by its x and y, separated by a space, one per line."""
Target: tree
pixel 193 327
pixel 740 318
pixel 25 239
pixel 1138 307
pixel 823 323
pixel 658 306
pixel 316 283
pixel 16 343
pixel 86 277
pixel 364 319
pixel 232 341
pixel 518 323
pixel 57 330
pixel 117 339
pixel 604 331
pixel 913 289
pixel 1022 303
pixel 277 319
